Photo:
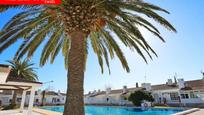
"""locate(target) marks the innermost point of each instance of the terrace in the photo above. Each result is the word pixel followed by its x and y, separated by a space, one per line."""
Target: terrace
pixel 8 82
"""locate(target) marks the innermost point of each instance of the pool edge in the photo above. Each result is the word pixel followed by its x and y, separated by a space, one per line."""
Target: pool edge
pixel 187 111
pixel 46 112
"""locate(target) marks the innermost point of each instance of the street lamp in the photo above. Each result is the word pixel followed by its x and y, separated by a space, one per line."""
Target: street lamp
pixel 48 82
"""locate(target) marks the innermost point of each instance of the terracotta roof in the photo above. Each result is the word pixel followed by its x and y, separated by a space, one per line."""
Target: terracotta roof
pixel 51 93
pixel 195 84
pixel 3 65
pixel 135 89
pixel 116 91
pixel 190 85
pixel 164 87
pixel 20 79
pixel 63 94
pixel 98 93
pixel 4 68
pixel 17 79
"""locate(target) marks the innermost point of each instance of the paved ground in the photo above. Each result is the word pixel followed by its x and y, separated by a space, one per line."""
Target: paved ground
pixel 17 112
pixel 200 112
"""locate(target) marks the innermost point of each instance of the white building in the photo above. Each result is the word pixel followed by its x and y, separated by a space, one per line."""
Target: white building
pixel 178 93
pixel 110 97
pixel 9 84
pixel 51 97
pixel 187 93
pixel 54 98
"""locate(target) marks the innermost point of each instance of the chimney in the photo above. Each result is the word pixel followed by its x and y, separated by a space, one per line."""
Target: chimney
pixel 175 80
pixel 137 85
pixel 58 92
pixel 181 83
pixel 125 89
pixel 202 74
pixel 94 92
pixel 169 82
pixel 99 91
pixel 108 90
pixel 39 92
pixel 147 86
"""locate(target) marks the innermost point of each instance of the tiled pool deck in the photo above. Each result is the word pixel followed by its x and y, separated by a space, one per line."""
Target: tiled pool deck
pixel 199 112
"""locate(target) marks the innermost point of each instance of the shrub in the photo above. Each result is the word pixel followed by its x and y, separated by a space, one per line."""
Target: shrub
pixel 11 106
pixel 138 96
pixel 125 98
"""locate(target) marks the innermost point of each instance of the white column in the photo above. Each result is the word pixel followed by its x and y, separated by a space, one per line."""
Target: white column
pixel 30 106
pixel 23 101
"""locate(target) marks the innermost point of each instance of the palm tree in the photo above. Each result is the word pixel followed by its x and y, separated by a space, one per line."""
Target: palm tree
pixel 69 26
pixel 24 70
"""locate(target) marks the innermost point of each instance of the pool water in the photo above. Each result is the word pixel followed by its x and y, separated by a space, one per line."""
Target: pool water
pixel 107 110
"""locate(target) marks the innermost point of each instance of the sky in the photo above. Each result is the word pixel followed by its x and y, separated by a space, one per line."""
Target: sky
pixel 182 54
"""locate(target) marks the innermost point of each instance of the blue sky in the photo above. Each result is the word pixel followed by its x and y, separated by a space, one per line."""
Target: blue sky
pixel 183 53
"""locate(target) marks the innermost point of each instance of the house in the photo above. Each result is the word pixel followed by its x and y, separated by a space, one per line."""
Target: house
pixel 187 93
pixel 54 98
pixel 110 97
pixel 51 97
pixel 5 97
pixel 179 92
pixel 8 83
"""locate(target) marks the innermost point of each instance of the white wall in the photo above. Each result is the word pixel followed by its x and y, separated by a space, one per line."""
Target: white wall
pixel 192 100
pixel 112 99
pixel 48 99
pixel 5 99
pixel 164 94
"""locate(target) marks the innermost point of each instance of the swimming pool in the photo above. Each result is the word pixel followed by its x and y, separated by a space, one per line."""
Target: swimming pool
pixel 108 110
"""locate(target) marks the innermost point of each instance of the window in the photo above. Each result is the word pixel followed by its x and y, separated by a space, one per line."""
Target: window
pixel 37 100
pixel 18 99
pixel 193 94
pixel 174 96
pixel 201 92
pixel 184 96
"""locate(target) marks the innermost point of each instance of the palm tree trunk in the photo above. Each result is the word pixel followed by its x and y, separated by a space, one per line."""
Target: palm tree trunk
pixel 43 98
pixel 13 102
pixel 76 63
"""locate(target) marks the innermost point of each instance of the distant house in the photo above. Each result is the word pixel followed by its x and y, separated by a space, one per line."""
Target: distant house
pixel 110 97
pixel 54 98
pixel 182 93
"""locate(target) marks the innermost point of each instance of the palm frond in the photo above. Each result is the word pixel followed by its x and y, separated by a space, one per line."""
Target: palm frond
pixel 121 20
